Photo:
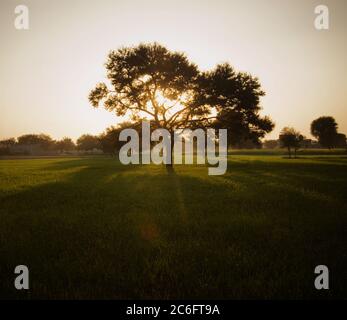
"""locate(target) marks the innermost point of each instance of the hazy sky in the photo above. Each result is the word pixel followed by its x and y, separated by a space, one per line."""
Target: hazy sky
pixel 46 72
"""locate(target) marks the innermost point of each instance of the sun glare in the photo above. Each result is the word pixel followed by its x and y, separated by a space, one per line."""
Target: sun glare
pixel 169 105
pixel 166 107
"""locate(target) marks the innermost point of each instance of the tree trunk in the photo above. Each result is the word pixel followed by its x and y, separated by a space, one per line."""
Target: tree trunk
pixel 289 153
pixel 172 149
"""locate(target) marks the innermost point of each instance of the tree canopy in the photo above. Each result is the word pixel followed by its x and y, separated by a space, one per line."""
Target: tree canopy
pixel 8 142
pixel 87 142
pixel 109 139
pixel 325 130
pixel 290 139
pixel 65 144
pixel 150 82
pixel 340 141
pixel 236 96
pixel 44 140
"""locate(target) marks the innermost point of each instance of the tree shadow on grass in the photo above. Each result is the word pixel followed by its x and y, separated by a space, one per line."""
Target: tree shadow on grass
pixel 74 233
pixel 112 231
pixel 271 235
pixel 325 177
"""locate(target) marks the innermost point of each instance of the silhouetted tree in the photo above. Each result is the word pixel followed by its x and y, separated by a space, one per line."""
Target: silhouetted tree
pixel 340 141
pixel 236 96
pixel 270 144
pixel 109 139
pixel 44 140
pixel 150 82
pixel 88 142
pixel 290 139
pixel 65 144
pixel 6 144
pixel 325 130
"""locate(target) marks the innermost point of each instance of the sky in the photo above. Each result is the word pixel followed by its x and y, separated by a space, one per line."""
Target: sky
pixel 47 72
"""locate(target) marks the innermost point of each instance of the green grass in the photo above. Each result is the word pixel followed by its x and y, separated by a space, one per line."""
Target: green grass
pixel 93 228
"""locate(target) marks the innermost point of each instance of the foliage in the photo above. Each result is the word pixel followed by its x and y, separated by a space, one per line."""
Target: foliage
pixel 88 142
pixel 270 144
pixel 6 143
pixel 65 144
pixel 44 140
pixel 340 141
pixel 150 82
pixel 236 97
pixel 290 139
pixel 109 139
pixel 325 130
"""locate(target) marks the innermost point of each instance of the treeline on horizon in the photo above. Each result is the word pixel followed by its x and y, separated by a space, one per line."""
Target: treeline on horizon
pixel 324 129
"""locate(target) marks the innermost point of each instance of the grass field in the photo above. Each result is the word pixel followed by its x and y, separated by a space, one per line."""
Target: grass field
pixel 93 228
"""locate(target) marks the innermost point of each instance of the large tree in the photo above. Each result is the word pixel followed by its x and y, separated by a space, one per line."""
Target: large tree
pixel 150 82
pixel 325 130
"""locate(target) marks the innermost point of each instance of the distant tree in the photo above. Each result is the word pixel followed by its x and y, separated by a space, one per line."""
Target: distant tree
pixel 340 141
pixel 247 143
pixel 290 139
pixel 309 144
pixel 65 144
pixel 236 96
pixel 44 140
pixel 325 130
pixel 271 144
pixel 6 143
pixel 109 139
pixel 29 139
pixel 88 142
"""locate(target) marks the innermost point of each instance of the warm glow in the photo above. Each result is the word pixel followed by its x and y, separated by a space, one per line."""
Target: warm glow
pixel 48 71
pixel 170 106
